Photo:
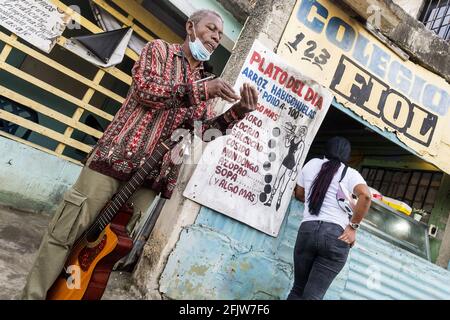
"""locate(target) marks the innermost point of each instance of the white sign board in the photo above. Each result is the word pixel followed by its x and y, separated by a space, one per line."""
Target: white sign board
pixel 39 22
pixel 250 173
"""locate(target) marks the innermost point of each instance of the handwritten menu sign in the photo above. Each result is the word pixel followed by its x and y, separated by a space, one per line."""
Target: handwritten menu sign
pixel 250 173
pixel 39 22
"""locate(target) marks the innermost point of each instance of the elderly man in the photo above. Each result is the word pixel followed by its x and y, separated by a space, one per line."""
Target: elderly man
pixel 167 90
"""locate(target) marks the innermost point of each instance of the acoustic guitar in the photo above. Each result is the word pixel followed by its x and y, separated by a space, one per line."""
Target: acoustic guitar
pixel 93 255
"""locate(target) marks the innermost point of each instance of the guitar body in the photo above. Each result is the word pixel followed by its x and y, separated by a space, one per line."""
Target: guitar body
pixel 89 264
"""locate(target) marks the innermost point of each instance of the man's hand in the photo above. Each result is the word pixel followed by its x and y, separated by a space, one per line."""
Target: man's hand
pixel 218 88
pixel 349 236
pixel 248 102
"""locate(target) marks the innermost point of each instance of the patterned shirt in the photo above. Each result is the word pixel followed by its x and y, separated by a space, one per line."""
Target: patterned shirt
pixel 162 96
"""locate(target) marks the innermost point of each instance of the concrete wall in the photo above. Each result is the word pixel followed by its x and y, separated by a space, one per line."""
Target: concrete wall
pixel 411 7
pixel 408 34
pixel 240 9
pixel 440 246
pixel 220 258
pixel 32 180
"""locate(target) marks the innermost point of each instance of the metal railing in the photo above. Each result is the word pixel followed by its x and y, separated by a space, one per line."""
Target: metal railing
pixel 436 17
pixel 418 188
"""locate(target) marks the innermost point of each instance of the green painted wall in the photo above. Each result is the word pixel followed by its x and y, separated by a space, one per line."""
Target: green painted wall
pixel 439 215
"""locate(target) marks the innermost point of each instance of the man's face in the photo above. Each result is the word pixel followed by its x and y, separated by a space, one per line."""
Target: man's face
pixel 209 30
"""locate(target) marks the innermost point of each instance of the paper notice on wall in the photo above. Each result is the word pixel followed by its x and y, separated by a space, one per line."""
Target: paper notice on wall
pixel 250 173
pixel 39 22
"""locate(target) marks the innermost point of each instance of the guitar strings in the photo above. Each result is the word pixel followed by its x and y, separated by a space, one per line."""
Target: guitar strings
pixel 102 213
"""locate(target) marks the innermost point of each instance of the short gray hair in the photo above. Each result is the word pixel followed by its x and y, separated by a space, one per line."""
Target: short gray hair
pixel 200 14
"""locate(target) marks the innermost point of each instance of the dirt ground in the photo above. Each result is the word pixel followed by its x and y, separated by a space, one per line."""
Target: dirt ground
pixel 20 236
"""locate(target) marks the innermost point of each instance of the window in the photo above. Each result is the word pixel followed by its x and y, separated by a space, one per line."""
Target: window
pixel 436 17
pixel 418 189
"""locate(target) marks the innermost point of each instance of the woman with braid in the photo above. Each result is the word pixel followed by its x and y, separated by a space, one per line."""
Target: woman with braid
pixel 329 224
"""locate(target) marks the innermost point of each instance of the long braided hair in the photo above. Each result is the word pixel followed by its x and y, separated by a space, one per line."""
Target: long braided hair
pixel 337 150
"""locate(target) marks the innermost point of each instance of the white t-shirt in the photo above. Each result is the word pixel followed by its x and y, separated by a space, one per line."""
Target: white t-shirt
pixel 330 210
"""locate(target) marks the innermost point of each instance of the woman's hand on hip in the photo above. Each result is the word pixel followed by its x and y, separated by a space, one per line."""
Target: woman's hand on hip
pixel 348 236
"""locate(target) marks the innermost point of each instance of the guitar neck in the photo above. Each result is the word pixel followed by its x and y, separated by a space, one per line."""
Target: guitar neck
pixel 126 191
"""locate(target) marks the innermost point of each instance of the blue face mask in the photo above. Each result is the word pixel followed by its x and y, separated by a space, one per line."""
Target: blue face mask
pixel 198 50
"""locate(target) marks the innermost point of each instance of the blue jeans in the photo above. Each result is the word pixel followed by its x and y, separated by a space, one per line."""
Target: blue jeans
pixel 318 258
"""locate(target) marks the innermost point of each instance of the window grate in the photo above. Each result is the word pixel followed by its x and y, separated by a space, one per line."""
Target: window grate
pixel 417 188
pixel 436 17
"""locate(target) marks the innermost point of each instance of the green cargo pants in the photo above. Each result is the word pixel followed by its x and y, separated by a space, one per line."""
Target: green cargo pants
pixel 78 210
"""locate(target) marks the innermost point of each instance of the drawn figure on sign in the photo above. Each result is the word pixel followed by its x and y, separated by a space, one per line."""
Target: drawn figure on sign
pixel 295 141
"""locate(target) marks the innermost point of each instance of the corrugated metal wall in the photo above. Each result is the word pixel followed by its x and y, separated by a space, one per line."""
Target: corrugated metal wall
pixel 220 258
pixel 379 270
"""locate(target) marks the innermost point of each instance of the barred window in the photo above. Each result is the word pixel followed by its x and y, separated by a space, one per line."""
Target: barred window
pixel 417 188
pixel 436 17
